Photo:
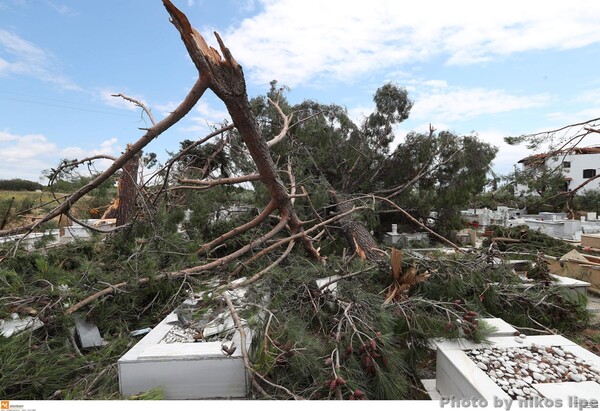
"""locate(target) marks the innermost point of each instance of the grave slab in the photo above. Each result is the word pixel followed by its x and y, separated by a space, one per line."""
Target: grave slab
pixel 195 370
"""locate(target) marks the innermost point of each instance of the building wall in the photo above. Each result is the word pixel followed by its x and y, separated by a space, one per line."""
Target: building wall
pixel 578 163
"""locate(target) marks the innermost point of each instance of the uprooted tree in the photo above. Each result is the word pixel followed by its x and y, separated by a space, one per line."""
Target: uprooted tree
pixel 293 175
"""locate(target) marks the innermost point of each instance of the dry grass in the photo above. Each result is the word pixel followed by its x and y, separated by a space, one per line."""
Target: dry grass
pixel 29 205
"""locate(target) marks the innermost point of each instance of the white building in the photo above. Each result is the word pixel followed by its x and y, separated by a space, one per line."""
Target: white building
pixel 577 165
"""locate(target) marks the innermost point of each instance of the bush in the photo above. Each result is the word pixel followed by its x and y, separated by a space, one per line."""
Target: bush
pixel 17 184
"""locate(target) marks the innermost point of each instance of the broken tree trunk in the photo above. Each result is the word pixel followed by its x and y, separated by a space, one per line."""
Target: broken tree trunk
pixel 355 233
pixel 225 78
pixel 127 190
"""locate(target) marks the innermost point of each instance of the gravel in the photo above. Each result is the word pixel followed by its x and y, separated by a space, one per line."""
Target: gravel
pixel 516 369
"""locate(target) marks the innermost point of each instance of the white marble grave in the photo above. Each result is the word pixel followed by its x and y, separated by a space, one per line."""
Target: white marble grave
pixel 168 357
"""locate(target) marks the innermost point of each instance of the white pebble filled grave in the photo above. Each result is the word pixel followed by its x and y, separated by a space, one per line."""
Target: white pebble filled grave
pixel 517 369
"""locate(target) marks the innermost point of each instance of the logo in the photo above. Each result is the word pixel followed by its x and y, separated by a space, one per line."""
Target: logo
pixel 4 405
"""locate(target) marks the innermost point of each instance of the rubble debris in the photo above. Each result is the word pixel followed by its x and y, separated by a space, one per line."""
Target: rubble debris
pixel 87 334
pixel 141 331
pixel 15 325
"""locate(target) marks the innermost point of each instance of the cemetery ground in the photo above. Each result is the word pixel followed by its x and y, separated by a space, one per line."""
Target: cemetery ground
pixel 369 340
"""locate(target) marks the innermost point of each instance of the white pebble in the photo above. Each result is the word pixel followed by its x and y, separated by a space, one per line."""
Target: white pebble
pixel 575 377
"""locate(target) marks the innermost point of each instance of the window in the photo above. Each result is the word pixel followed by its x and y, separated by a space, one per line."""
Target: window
pixel 589 172
pixel 566 164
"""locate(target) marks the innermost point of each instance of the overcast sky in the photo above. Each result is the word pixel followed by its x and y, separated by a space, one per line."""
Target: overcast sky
pixel 494 68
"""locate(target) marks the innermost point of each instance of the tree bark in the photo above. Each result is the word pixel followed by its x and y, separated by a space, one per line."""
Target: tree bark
pixel 128 191
pixel 355 233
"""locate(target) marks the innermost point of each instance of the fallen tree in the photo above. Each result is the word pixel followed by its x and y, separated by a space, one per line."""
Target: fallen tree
pixel 363 342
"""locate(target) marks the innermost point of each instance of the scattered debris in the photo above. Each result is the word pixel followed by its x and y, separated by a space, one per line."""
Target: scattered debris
pixel 139 332
pixel 87 334
pixel 16 325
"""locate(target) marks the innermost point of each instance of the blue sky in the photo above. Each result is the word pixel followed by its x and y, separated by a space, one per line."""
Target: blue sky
pixel 493 68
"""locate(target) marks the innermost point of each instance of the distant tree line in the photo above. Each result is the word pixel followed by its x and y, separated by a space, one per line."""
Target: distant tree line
pixel 17 184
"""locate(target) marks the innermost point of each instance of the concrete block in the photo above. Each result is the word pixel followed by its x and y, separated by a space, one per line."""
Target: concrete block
pixel 87 334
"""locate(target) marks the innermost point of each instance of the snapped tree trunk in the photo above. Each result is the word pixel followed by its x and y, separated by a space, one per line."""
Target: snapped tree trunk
pixel 127 190
pixel 356 234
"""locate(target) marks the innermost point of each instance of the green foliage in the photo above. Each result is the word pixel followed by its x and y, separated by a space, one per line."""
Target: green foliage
pixel 378 346
pixel 152 395
pixel 545 187
pixel 35 365
pixel 531 241
pixel 34 368
pixel 588 200
pixel 469 280
pixel 460 166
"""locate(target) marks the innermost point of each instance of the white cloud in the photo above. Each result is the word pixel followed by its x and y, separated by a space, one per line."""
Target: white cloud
pixel 167 108
pixel 206 116
pixel 583 107
pixel 61 8
pixel 589 96
pixel 31 61
pixel 300 42
pixel 454 103
pixel 507 156
pixel 27 155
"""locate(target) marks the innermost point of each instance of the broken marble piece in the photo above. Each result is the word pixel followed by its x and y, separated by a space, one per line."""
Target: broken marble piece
pixel 15 325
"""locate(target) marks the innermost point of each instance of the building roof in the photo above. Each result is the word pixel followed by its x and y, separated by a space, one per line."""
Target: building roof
pixel 574 150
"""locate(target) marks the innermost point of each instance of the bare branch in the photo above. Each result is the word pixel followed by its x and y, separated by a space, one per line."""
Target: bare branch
pixel 261 273
pixel 247 364
pixel 240 229
pixel 139 104
pixel 206 184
